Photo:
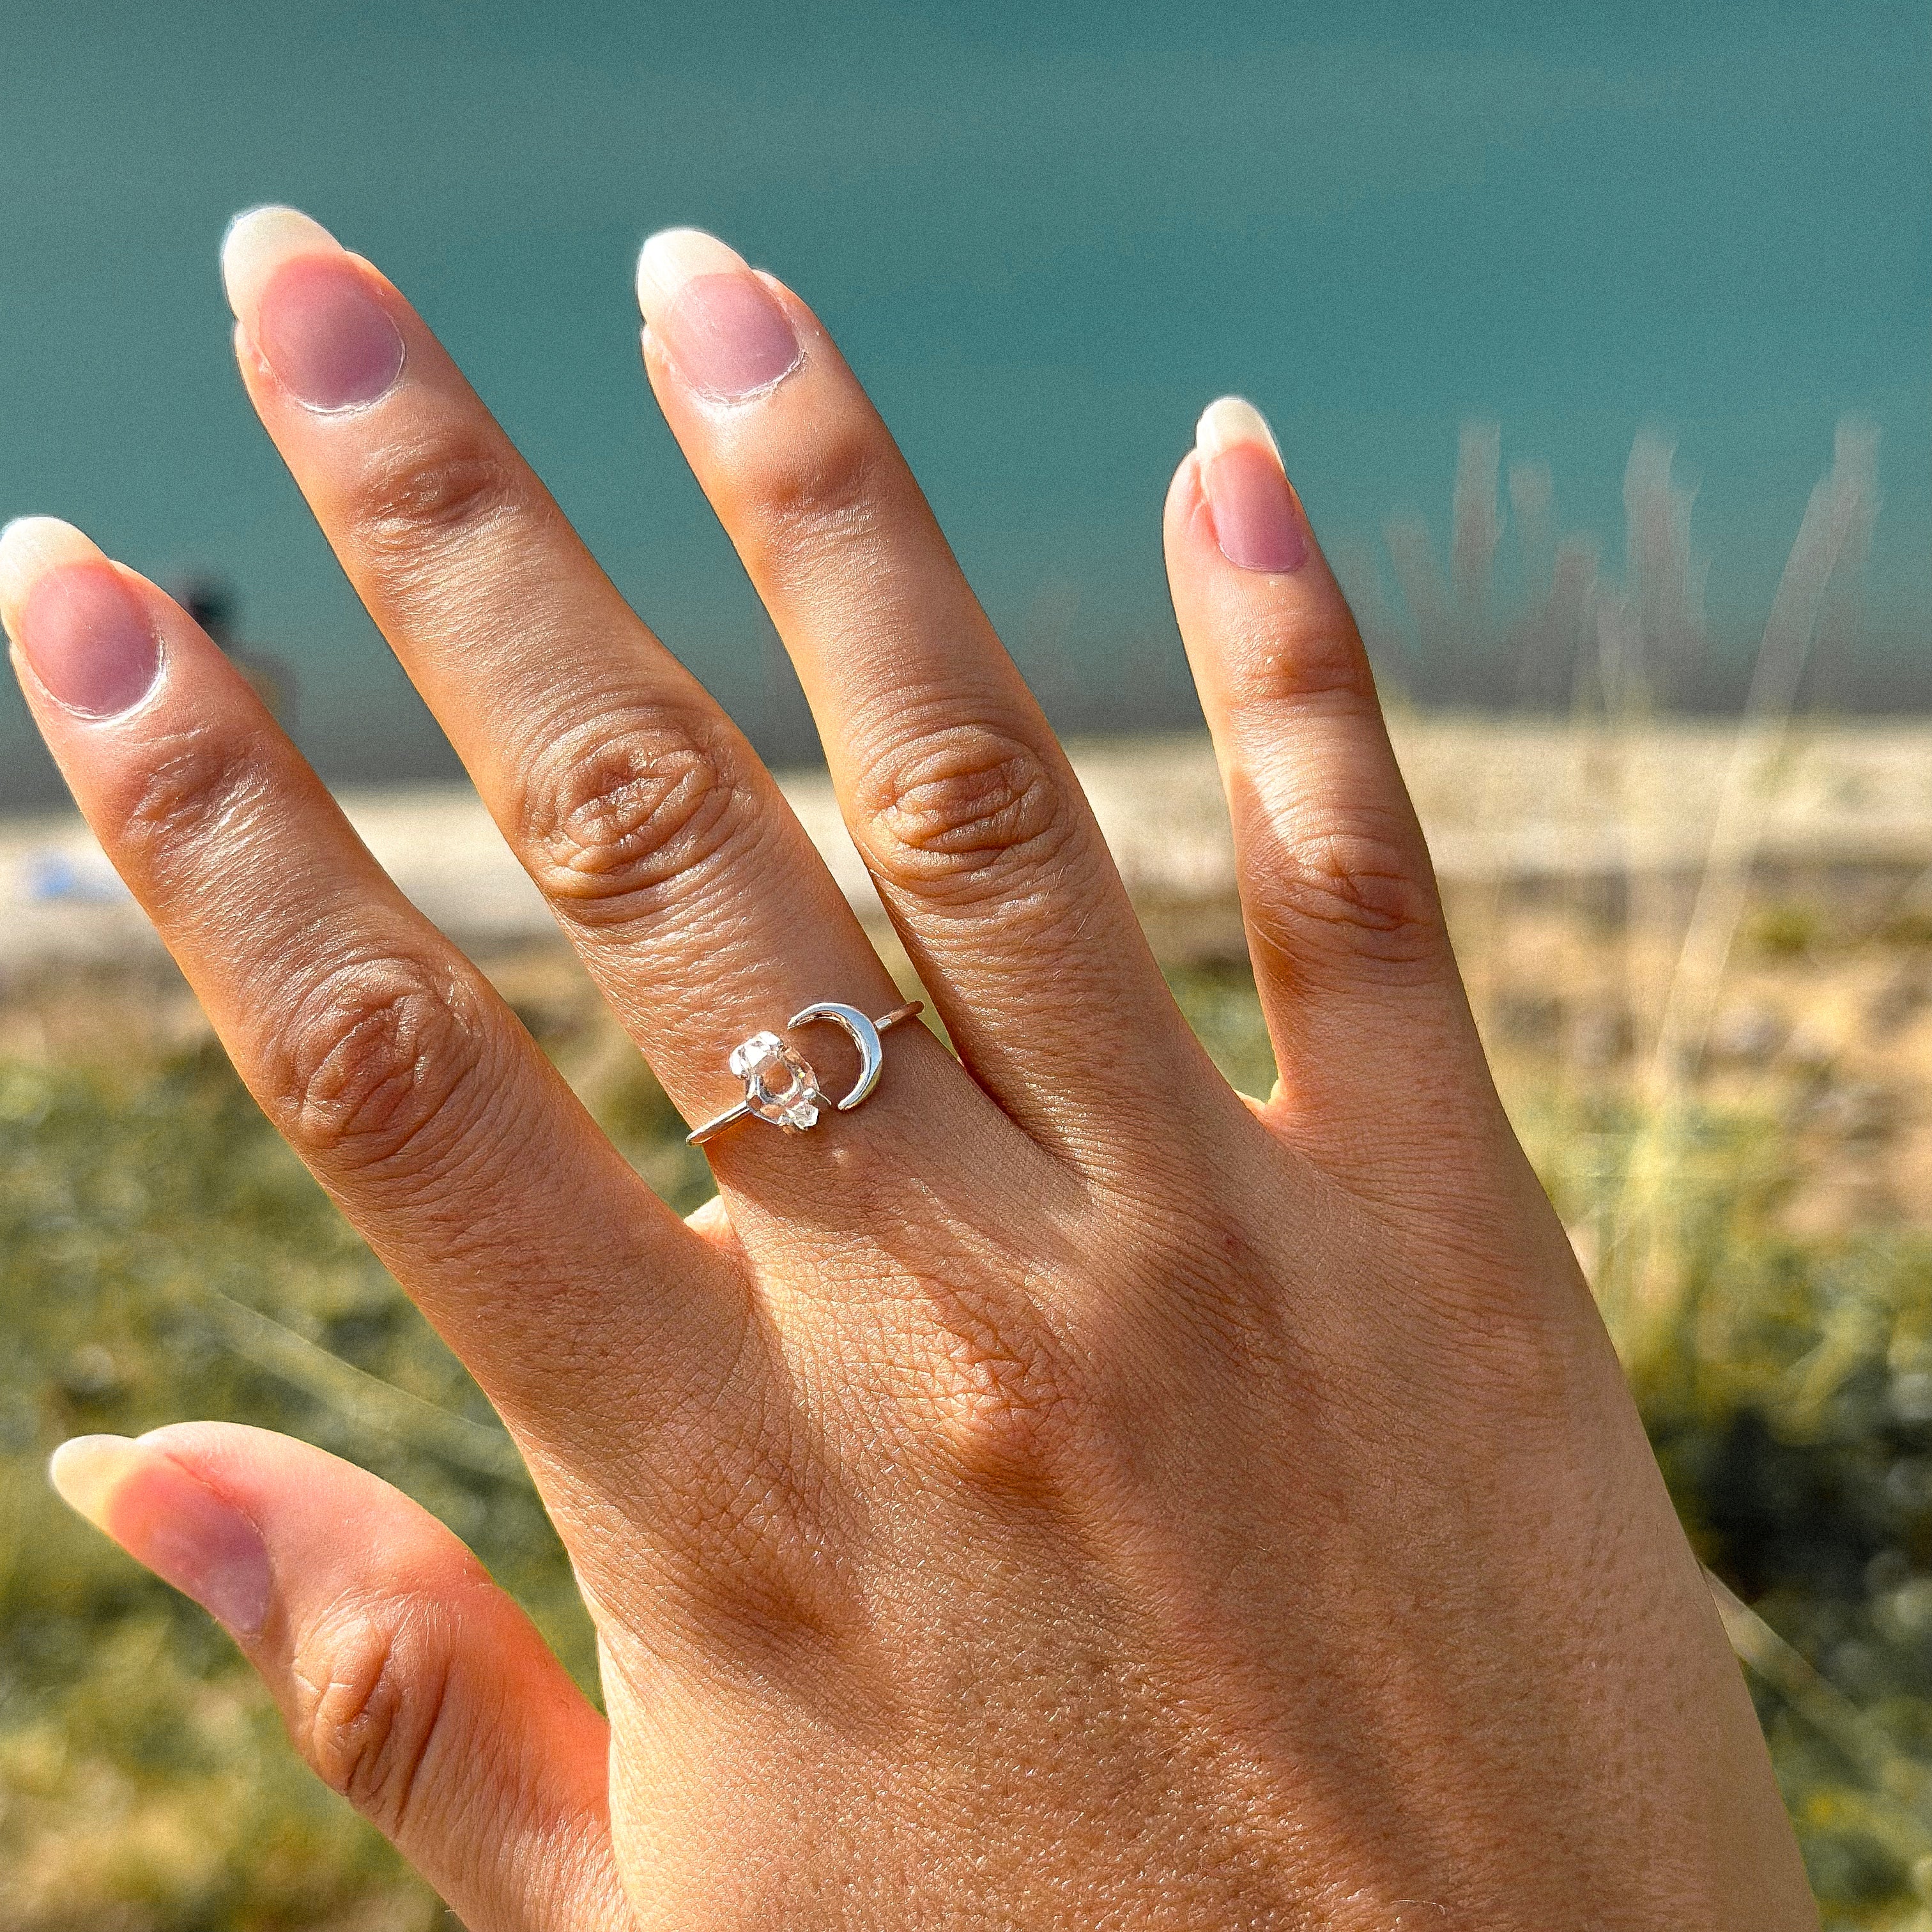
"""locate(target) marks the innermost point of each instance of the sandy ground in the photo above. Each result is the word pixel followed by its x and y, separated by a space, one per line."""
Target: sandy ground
pixel 1500 800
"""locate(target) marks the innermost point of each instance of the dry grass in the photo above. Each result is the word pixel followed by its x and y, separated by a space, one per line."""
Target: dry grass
pixel 1702 957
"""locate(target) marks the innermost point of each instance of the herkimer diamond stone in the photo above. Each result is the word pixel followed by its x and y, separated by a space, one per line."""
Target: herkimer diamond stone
pixel 779 1084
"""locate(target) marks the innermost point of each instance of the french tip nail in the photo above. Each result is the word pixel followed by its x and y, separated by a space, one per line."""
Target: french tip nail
pixel 86 1470
pixel 1257 519
pixel 672 257
pixel 16 531
pixel 258 239
pixel 250 223
pixel 30 547
pixel 166 1517
pixel 1229 420
pixel 241 217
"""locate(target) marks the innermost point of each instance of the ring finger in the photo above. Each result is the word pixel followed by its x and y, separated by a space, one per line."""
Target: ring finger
pixel 959 797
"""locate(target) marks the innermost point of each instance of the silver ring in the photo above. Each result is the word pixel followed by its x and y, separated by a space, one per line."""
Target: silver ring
pixel 780 1086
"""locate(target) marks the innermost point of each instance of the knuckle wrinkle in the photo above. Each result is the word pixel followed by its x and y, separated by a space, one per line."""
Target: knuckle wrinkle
pixel 373 1056
pixel 961 803
pixel 1354 888
pixel 611 820
pixel 373 1706
pixel 1312 664
pixel 196 785
pixel 827 483
pixel 410 497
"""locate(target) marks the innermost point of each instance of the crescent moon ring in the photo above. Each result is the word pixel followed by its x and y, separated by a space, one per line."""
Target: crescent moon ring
pixel 862 1033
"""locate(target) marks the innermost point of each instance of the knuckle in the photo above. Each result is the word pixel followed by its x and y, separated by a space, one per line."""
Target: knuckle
pixel 413 495
pixel 612 819
pixel 818 487
pixel 950 808
pixel 196 785
pixel 372 1702
pixel 1317 662
pixel 1356 888
pixel 372 1058
pixel 1004 1427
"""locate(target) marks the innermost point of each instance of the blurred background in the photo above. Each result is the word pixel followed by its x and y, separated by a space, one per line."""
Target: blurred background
pixel 1599 343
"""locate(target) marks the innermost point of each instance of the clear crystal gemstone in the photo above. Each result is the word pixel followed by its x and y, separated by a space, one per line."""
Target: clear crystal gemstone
pixel 779 1084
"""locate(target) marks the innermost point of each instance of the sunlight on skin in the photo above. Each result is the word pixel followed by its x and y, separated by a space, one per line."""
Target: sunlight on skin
pixel 1066 1500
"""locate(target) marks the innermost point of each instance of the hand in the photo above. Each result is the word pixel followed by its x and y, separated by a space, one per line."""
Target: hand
pixel 1057 1493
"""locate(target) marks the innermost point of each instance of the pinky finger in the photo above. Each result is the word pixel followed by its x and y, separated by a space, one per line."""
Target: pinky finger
pixel 1365 1008
pixel 409 1682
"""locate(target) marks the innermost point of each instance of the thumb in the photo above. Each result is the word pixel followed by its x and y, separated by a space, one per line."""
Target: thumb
pixel 408 1680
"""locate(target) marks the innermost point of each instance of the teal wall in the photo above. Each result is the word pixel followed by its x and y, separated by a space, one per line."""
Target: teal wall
pixel 1045 235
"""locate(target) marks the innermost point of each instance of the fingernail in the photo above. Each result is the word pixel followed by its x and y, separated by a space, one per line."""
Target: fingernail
pixel 1257 521
pixel 83 633
pixel 308 306
pixel 720 325
pixel 164 1518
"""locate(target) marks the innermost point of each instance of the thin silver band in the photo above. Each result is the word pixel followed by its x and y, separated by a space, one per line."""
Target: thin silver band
pixel 857 1028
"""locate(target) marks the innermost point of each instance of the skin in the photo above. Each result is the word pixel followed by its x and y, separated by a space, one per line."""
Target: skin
pixel 1060 1493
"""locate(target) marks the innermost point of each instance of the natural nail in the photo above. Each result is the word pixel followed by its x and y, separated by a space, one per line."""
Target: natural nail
pixel 165 1518
pixel 1257 520
pixel 84 634
pixel 311 310
pixel 721 326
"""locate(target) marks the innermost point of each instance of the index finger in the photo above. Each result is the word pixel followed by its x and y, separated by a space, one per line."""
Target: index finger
pixel 382 1055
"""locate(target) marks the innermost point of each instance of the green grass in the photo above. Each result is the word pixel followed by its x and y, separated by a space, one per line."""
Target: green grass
pixel 162 1256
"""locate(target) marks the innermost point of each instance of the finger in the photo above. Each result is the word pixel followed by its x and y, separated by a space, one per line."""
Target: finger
pixel 675 866
pixel 963 805
pixel 383 1057
pixel 411 1684
pixel 1352 961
